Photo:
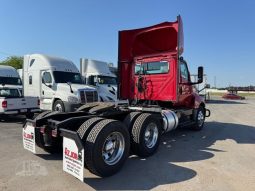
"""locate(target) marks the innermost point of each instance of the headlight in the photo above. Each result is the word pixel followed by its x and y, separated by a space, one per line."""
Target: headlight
pixel 72 99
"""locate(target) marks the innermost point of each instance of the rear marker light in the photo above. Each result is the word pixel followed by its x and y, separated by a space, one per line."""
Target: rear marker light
pixel 54 133
pixel 42 130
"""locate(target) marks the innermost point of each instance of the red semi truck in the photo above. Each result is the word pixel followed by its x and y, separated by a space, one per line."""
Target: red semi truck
pixel 155 80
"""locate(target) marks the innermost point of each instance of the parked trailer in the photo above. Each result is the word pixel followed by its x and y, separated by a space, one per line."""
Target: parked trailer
pixel 156 81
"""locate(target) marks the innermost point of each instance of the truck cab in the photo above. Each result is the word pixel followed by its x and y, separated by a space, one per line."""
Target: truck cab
pixel 98 74
pixel 152 70
pixel 57 82
pixel 10 77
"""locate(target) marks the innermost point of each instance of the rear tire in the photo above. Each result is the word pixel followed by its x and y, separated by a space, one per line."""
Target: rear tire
pixel 86 127
pixel 41 115
pixel 39 138
pixel 30 115
pixel 145 135
pixel 107 147
pixel 130 119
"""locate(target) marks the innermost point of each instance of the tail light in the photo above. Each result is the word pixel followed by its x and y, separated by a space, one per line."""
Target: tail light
pixel 4 104
pixel 42 129
pixel 38 102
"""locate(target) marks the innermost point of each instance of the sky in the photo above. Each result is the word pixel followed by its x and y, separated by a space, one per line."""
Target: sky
pixel 218 34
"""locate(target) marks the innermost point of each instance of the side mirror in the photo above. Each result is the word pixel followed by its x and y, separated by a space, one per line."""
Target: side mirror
pixel 200 74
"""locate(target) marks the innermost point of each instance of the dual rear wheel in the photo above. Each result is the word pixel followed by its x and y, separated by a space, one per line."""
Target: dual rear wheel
pixel 106 145
pixel 145 131
pixel 107 142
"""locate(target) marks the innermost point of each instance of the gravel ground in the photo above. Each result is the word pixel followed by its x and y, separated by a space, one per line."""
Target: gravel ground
pixel 220 157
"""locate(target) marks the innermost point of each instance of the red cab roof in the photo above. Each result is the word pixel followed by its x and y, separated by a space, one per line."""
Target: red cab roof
pixel 163 37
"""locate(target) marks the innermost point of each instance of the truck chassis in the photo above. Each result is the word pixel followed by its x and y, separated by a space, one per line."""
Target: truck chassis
pixel 108 132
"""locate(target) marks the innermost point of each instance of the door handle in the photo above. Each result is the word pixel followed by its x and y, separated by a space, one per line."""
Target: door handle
pixel 42 92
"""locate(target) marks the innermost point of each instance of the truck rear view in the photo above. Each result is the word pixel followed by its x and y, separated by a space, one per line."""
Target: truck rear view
pixel 156 81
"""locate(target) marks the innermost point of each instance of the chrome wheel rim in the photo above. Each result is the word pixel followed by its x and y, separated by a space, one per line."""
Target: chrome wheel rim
pixel 113 148
pixel 58 108
pixel 151 135
pixel 200 118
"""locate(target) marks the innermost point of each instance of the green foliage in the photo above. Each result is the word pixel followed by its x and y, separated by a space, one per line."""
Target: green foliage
pixel 14 61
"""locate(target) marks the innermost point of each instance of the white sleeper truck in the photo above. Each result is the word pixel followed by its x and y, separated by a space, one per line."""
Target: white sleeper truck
pixel 97 73
pixel 57 82
pixel 9 76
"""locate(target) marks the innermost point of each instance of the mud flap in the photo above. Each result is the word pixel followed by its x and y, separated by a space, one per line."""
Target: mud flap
pixel 73 154
pixel 29 137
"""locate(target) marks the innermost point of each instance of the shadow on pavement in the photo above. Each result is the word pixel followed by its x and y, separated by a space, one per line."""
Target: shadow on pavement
pixel 19 119
pixel 221 101
pixel 55 156
pixel 178 146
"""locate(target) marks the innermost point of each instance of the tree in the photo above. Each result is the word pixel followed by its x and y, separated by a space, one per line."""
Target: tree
pixel 14 61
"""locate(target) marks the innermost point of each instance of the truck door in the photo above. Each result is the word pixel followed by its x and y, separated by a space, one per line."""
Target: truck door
pixel 185 88
pixel 47 93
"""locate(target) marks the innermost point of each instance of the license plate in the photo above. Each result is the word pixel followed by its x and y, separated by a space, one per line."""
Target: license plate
pixel 23 110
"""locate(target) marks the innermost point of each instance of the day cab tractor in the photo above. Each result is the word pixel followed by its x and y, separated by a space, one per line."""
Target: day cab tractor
pixel 155 80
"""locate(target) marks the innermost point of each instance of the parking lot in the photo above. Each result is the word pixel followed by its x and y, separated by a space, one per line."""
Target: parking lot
pixel 220 157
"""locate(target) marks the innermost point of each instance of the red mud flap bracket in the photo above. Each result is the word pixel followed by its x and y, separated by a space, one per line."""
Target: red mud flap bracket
pixel 73 153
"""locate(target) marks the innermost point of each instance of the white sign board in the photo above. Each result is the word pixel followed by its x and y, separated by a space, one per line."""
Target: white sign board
pixel 73 160
pixel 29 138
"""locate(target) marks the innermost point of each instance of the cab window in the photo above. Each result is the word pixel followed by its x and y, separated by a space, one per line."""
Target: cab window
pixel 47 78
pixel 148 68
pixel 184 72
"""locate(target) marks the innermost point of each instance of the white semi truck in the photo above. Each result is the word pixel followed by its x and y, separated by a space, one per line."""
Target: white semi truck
pixel 57 82
pixel 97 73
pixel 10 77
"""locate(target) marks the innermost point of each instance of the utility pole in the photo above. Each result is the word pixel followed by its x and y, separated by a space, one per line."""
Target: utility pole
pixel 215 81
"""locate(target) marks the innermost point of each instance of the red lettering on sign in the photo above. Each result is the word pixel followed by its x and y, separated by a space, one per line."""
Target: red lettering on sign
pixel 71 154
pixel 28 136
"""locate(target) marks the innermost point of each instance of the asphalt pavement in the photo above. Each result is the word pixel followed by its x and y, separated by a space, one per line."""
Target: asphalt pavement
pixel 220 157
